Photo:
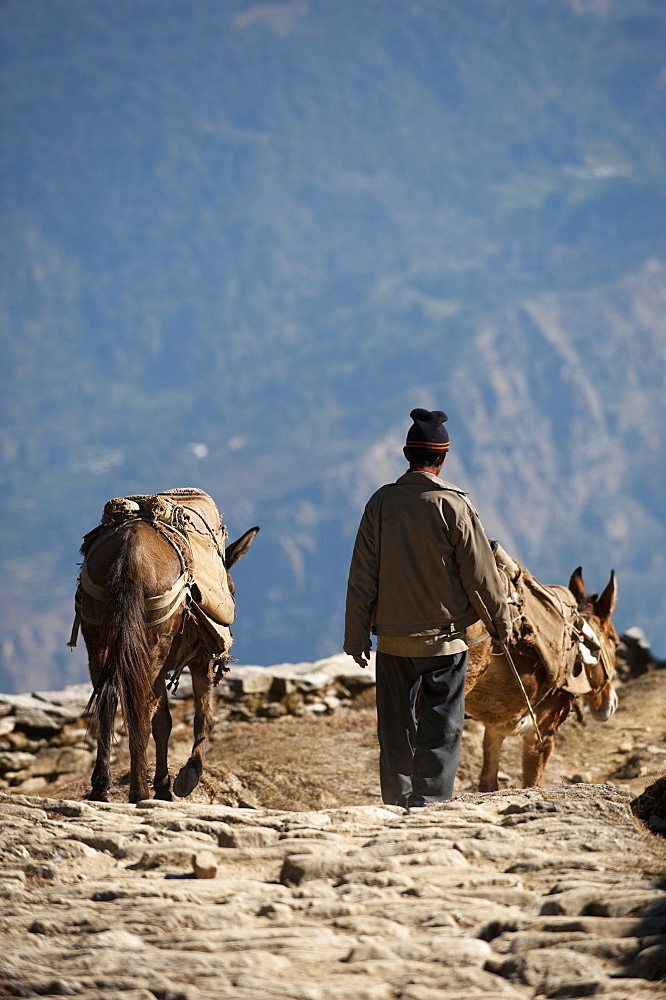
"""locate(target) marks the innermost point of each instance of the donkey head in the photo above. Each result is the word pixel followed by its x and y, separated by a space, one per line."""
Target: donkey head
pixel 598 608
pixel 601 606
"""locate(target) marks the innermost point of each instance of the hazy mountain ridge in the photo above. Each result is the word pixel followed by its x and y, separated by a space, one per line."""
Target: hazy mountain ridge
pixel 261 233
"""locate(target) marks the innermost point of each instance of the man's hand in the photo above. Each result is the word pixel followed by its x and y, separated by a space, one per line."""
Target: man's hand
pixel 363 658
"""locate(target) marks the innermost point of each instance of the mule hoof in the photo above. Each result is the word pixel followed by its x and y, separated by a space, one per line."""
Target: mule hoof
pixel 94 796
pixel 164 796
pixel 186 781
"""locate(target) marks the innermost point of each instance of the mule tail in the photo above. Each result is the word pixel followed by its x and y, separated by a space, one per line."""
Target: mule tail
pixel 126 675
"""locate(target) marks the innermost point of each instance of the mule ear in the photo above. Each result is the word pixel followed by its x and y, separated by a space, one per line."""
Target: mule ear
pixel 577 585
pixel 604 606
pixel 236 549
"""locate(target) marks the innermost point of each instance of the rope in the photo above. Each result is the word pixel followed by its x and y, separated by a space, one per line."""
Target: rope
pixel 505 649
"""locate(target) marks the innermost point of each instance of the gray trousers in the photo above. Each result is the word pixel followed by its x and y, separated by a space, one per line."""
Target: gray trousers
pixel 420 717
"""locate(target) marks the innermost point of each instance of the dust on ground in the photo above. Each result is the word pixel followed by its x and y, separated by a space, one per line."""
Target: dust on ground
pixel 305 762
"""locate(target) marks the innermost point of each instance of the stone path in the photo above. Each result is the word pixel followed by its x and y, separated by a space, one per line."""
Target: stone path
pixel 550 893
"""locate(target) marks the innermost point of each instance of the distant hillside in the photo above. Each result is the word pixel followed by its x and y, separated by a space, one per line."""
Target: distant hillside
pixel 241 241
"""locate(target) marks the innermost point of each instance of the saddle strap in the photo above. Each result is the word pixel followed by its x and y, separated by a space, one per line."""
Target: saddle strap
pixel 80 617
pixel 479 638
pixel 74 636
pixel 604 653
pixel 151 603
pixel 178 593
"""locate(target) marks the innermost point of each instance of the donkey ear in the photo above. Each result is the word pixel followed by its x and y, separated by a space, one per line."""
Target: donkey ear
pixel 577 585
pixel 604 606
pixel 236 549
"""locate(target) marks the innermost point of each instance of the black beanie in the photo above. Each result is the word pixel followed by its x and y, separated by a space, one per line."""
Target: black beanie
pixel 428 431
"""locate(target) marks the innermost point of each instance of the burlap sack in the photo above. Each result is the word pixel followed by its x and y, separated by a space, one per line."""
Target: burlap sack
pixel 544 618
pixel 206 535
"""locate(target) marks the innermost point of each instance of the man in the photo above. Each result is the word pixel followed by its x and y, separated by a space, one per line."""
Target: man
pixel 422 570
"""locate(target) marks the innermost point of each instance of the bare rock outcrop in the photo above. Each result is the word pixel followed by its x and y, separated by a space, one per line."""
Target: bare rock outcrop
pixel 650 806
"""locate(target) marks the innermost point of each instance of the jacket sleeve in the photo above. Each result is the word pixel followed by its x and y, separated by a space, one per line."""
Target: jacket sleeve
pixel 361 588
pixel 479 576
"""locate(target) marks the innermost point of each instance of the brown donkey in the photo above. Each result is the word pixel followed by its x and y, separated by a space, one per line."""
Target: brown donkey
pixel 494 696
pixel 132 651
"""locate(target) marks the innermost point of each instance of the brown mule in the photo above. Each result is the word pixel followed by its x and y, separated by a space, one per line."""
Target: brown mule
pixel 130 660
pixel 494 696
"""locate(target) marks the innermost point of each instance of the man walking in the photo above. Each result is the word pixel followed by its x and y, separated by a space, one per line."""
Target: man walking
pixel 422 570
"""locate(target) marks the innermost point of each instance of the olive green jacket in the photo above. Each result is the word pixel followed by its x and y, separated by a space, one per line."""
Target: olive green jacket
pixel 421 564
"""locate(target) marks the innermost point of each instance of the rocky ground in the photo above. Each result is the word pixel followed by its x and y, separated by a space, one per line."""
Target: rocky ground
pixel 284 877
pixel 302 736
pixel 507 895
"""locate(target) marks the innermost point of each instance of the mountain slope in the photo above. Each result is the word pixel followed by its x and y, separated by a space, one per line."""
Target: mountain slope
pixel 242 241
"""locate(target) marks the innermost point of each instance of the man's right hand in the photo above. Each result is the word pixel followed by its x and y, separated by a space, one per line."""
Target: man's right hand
pixel 363 658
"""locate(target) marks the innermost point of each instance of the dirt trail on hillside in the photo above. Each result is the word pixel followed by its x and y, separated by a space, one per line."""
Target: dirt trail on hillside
pixel 313 762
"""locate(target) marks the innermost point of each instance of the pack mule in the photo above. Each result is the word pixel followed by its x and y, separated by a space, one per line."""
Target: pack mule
pixel 141 613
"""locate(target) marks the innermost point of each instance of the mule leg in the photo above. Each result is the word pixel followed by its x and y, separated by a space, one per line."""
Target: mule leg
pixel 202 688
pixel 138 790
pixel 492 746
pixel 535 758
pixel 101 776
pixel 161 734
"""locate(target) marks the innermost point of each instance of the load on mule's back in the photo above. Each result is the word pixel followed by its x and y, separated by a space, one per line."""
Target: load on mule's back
pixel 155 596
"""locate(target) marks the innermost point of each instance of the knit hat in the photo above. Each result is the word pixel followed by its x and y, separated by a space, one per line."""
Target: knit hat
pixel 428 431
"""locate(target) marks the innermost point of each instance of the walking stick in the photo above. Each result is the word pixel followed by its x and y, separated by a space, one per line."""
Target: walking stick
pixel 488 622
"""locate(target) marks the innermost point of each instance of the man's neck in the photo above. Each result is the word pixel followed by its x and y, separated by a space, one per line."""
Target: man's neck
pixel 433 472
